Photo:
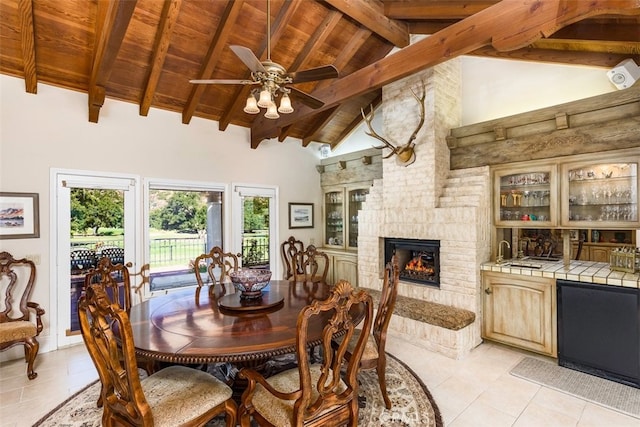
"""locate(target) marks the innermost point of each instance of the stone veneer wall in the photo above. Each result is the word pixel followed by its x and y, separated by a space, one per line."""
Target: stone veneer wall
pixel 426 200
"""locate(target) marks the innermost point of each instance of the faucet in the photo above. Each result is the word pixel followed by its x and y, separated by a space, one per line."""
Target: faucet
pixel 524 247
pixel 500 258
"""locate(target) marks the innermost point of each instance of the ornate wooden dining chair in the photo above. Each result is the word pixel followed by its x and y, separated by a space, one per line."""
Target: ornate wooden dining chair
pixel 115 279
pixel 218 265
pixel 17 277
pixel 374 356
pixel 173 396
pixel 289 249
pixel 311 265
pixel 313 394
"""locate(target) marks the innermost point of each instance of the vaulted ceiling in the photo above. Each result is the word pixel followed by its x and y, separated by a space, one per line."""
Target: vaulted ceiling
pixel 146 51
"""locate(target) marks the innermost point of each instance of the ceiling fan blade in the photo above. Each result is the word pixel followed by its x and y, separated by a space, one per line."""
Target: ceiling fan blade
pixel 247 56
pixel 313 74
pixel 224 82
pixel 305 98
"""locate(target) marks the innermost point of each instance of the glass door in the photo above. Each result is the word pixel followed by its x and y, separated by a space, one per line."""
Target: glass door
pixel 525 196
pixel 356 198
pixel 601 194
pixel 95 217
pixel 184 220
pixel 255 230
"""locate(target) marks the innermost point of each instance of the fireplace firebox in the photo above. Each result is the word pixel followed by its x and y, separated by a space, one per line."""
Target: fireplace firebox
pixel 419 260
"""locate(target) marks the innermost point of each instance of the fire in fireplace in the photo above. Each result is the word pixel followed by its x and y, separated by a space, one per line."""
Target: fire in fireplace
pixel 419 260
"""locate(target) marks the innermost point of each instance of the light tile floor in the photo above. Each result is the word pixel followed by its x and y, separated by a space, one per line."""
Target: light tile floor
pixel 476 391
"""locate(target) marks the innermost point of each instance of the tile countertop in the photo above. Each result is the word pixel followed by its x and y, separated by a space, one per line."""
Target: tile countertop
pixel 579 271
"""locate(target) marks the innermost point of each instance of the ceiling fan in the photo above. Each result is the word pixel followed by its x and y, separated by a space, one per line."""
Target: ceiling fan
pixel 272 79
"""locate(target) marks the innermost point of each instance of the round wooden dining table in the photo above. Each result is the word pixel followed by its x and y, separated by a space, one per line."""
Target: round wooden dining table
pixel 178 328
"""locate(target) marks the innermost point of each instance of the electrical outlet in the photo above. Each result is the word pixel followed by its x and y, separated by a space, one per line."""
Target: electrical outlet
pixel 34 257
pixel 312 241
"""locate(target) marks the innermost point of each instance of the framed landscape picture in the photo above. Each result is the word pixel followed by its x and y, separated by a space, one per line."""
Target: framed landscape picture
pixel 300 215
pixel 19 217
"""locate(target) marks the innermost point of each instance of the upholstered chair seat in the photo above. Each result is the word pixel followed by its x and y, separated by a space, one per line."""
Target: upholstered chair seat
pixel 177 392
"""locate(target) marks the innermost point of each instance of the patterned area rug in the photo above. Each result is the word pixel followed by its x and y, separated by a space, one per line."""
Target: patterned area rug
pixel 598 390
pixel 412 404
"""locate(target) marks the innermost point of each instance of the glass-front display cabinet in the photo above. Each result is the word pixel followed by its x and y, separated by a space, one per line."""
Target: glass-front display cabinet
pixel 525 196
pixel 356 197
pixel 600 193
pixel 334 218
pixel 341 206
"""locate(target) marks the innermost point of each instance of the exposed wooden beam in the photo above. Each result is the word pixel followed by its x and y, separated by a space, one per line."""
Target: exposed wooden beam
pixel 317 39
pixel 277 29
pixel 508 25
pixel 161 46
pixel 595 59
pixel 613 47
pixel 612 29
pixel 218 43
pixel 321 121
pixel 371 15
pixel 433 9
pixel 343 58
pixel 347 52
pixel 113 18
pixel 27 43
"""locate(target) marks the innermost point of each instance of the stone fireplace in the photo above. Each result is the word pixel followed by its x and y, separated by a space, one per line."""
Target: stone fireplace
pixel 428 201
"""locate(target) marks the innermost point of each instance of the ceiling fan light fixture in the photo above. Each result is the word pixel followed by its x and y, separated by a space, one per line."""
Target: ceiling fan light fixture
pixel 251 106
pixel 285 104
pixel 272 112
pixel 265 98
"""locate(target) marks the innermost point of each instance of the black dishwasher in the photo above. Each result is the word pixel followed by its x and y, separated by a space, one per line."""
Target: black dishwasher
pixel 599 330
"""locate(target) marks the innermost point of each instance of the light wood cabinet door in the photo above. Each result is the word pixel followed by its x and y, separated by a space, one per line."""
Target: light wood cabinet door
pixel 342 265
pixel 599 254
pixel 520 311
pixel 345 267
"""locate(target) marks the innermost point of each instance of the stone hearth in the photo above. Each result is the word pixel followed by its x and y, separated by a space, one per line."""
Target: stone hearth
pixel 426 200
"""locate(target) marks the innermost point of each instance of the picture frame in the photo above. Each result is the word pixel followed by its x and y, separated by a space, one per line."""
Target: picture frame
pixel 19 215
pixel 300 215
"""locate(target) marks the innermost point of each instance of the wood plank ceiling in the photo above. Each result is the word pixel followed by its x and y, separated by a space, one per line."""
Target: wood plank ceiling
pixel 146 51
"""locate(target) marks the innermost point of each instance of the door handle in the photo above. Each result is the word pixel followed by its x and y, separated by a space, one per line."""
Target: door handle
pixel 488 291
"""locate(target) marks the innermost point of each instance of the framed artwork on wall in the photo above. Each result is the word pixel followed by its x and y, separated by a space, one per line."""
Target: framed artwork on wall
pixel 300 215
pixel 19 215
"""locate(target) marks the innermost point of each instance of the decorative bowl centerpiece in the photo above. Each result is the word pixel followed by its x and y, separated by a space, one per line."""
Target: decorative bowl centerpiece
pixel 250 282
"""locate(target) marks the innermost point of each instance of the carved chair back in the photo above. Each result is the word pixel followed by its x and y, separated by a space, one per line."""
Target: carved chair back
pixel 327 392
pixel 114 356
pixel 114 278
pixel 17 278
pixel 374 356
pixel 290 248
pixel 218 265
pixel 311 265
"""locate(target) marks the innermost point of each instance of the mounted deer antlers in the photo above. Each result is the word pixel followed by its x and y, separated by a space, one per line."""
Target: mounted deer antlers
pixel 405 152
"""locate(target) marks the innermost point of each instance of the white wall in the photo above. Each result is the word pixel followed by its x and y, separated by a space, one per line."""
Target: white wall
pixel 494 88
pixel 51 130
